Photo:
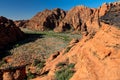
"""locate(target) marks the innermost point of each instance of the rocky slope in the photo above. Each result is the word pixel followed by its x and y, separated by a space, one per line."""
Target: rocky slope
pixel 96 57
pixel 9 32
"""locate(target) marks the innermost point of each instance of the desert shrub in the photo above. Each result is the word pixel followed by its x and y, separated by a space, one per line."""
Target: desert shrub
pixel 65 73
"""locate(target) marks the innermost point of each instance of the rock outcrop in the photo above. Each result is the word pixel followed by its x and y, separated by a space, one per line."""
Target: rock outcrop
pixel 9 32
pixel 46 20
pixel 81 19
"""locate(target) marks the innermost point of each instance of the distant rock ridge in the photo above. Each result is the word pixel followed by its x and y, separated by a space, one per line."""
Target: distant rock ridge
pixel 79 19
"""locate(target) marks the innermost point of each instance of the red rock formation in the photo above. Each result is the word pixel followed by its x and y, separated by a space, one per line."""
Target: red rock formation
pixel 80 18
pixel 9 32
pixel 46 20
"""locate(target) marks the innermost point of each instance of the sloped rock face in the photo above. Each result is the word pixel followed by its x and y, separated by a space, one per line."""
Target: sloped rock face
pixel 99 56
pixel 46 20
pixel 9 32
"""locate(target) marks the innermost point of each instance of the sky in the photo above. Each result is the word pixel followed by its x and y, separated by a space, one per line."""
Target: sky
pixel 26 9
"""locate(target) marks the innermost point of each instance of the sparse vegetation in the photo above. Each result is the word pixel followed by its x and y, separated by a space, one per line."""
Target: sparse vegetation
pixel 65 73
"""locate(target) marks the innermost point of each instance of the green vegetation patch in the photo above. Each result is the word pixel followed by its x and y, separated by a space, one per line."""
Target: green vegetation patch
pixel 65 73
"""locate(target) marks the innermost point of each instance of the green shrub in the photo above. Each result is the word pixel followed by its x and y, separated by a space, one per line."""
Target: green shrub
pixel 65 73
pixel 71 65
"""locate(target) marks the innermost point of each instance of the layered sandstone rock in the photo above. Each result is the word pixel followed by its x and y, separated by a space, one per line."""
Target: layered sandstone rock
pixel 46 20
pixel 9 32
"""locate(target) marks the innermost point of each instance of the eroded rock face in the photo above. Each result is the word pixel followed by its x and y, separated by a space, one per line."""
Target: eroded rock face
pixel 80 19
pixel 9 32
pixel 46 20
